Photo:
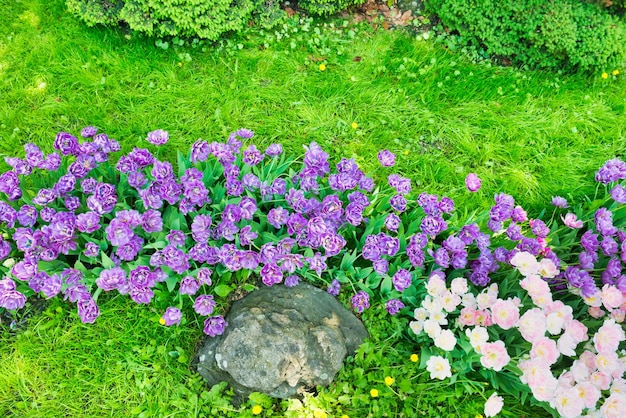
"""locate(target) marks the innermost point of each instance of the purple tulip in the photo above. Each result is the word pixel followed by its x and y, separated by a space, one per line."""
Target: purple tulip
pixel 472 182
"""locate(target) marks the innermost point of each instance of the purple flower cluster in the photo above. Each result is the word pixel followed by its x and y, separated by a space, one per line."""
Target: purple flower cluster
pixel 158 137
pixel 472 182
pixel 386 158
pixel 613 170
pixel 172 316
pixel 231 208
pixel 559 202
pixel 360 301
pixel 10 298
pixel 215 325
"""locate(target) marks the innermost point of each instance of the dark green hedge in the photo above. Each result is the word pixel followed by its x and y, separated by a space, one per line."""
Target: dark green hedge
pixel 556 34
pixel 206 19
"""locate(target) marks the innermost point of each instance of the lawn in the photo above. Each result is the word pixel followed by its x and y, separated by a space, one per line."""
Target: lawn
pixel 533 135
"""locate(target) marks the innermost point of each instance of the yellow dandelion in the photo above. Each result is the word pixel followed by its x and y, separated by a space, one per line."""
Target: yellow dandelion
pixel 322 67
pixel 354 125
pixel 374 393
pixel 414 358
pixel 162 321
pixel 345 416
pixel 605 75
pixel 318 413
pixel 406 152
pixel 389 380
pixel 615 72
pixel 257 409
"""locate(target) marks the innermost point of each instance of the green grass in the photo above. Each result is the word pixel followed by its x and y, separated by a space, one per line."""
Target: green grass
pixel 529 134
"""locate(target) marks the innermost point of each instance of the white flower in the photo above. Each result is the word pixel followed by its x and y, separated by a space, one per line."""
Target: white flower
pixel 440 317
pixel 416 327
pixel 485 300
pixel 435 286
pixel 526 263
pixel 477 336
pixel 494 405
pixel 469 301
pixel 432 328
pixel 420 314
pixel 438 367
pixel 449 301
pixel 547 268
pixel 459 286
pixel 555 323
pixel 445 340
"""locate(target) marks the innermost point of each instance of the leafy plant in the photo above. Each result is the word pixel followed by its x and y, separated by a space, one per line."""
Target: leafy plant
pixel 327 7
pixel 566 35
pixel 188 18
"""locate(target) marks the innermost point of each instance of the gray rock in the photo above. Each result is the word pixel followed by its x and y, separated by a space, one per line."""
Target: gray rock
pixel 280 340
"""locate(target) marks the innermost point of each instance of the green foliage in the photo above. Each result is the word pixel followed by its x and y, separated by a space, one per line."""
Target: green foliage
pixel 207 19
pixel 614 6
pixel 94 12
pixel 568 35
pixel 327 7
pixel 531 134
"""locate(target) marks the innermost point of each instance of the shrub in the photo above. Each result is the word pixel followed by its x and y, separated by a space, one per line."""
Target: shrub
pixel 327 7
pixel 568 34
pixel 207 19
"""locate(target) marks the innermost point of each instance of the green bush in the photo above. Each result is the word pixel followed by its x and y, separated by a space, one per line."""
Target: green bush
pixel 93 12
pixel 327 7
pixel 207 19
pixel 563 34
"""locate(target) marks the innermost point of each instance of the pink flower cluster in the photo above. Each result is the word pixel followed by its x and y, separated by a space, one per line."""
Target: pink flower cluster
pixel 594 385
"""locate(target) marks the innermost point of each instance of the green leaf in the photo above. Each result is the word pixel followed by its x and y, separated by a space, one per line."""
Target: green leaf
pixel 182 164
pixel 373 281
pixel 406 386
pixel 248 287
pixel 385 287
pixel 362 273
pixel 80 266
pixel 107 263
pixel 347 262
pixel 171 218
pixel 222 290
pixel 51 266
pixel 156 245
pixel 171 283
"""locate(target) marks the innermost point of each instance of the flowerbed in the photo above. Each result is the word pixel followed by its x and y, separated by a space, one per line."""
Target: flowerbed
pixel 534 307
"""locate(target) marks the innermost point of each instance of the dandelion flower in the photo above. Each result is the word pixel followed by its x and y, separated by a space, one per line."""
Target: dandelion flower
pixel 322 67
pixel 615 72
pixel 389 380
pixel 257 409
pixel 605 75
pixel 354 125
pixel 374 393
pixel 414 358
